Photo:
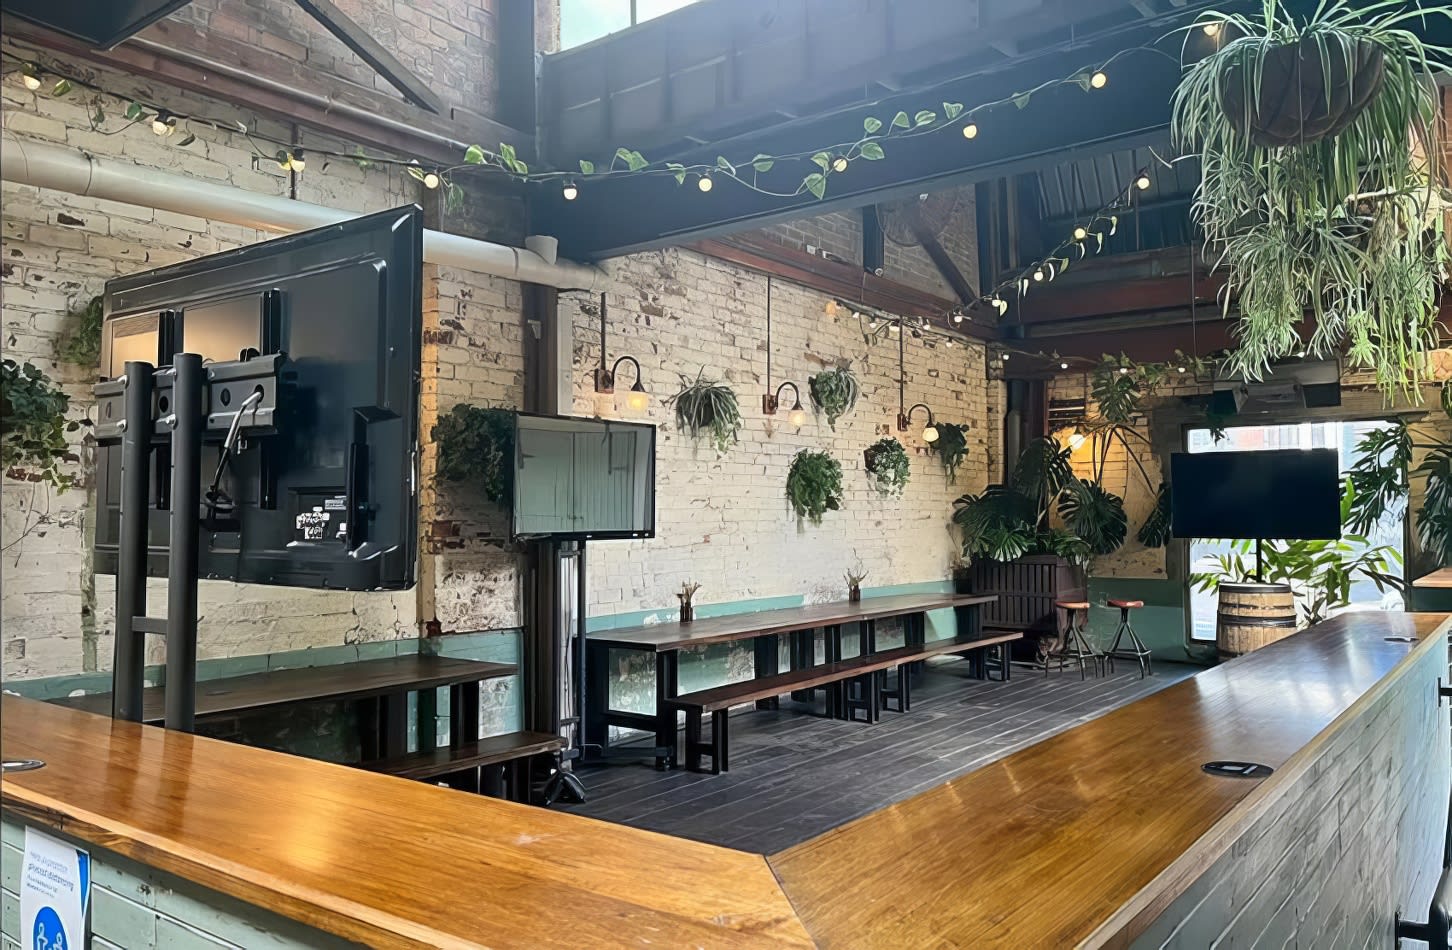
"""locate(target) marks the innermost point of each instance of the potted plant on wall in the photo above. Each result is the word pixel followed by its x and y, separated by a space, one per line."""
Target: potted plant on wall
pixel 951 446
pixel 1312 194
pixel 887 466
pixel 834 392
pixel 814 485
pixel 707 408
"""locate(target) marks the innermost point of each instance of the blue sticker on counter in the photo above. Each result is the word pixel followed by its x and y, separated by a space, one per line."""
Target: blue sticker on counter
pixel 55 893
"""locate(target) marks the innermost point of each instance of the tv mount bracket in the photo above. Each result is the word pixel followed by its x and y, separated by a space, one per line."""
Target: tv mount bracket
pixel 179 407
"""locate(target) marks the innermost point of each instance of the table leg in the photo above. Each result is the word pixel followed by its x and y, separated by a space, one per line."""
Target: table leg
pixel 667 668
pixel 766 661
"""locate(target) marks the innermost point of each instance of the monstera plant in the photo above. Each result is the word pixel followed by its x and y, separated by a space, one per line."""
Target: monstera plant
pixel 1320 167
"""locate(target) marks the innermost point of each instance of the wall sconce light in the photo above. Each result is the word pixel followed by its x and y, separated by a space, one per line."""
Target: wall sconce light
pixel 1076 438
pixel 771 402
pixel 637 399
pixel 904 422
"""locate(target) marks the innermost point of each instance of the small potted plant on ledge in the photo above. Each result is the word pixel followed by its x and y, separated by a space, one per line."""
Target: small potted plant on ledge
pixel 855 576
pixel 688 592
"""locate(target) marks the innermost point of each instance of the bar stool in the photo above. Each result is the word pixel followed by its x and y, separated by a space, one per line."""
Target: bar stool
pixel 1076 645
pixel 1136 649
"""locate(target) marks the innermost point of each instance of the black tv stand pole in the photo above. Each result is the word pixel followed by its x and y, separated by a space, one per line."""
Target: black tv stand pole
pixel 1259 563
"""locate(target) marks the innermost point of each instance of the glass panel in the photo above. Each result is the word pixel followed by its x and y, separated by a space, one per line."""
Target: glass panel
pixel 650 9
pixel 1341 436
pixel 584 20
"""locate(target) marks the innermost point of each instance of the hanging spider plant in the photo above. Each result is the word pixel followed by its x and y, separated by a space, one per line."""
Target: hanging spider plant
pixel 834 392
pixel 705 407
pixel 1321 177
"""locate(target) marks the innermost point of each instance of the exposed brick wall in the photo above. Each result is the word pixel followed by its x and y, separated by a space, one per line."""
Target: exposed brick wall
pixel 725 521
pixel 449 44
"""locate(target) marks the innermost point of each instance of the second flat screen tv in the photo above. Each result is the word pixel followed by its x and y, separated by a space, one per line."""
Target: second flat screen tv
pixel 585 479
pixel 1287 495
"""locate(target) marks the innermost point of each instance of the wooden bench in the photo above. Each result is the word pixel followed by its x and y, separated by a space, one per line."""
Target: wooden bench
pixel 863 670
pixel 494 765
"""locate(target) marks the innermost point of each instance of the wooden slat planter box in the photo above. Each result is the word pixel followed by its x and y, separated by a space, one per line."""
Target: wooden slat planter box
pixel 1026 589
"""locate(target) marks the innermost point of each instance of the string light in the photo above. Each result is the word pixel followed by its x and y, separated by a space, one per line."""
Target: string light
pixel 1123 370
pixel 949 343
pixel 970 131
pixel 957 316
pixel 30 75
pixel 1080 233
pixel 571 191
pixel 705 183
pixel 1063 365
pixel 163 124
pixel 1099 80
pixel 1179 369
pixel 839 164
pixel 832 308
pixel 1005 357
pixel 431 181
pixel 1143 181
pixel 1211 29
pixel 1038 274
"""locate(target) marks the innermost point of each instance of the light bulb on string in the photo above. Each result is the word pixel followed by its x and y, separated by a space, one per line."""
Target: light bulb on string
pixel 162 124
pixel 1123 370
pixel 1038 274
pixel 1080 233
pixel 431 180
pixel 1099 80
pixel 30 75
pixel 957 316
pixel 705 183
pixel 839 164
pixel 1005 357
pixel 832 308
pixel 1179 369
pixel 1143 181
pixel 1063 365
pixel 296 162
pixel 1211 29
pixel 970 131
pixel 949 343
pixel 571 191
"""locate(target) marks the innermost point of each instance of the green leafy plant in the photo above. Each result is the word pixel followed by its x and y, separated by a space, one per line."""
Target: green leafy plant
pixel 81 344
pixel 951 446
pixel 1320 572
pixel 1155 532
pixel 814 485
pixel 887 466
pixel 705 407
pixel 1008 521
pixel 1382 480
pixel 476 446
pixel 33 426
pixel 834 392
pixel 1311 193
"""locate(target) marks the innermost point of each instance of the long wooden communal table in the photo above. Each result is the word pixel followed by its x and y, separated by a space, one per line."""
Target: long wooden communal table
pixel 382 685
pixel 665 641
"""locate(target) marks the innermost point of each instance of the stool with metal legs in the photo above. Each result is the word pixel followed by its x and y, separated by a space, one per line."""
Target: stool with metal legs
pixel 1076 646
pixel 1135 650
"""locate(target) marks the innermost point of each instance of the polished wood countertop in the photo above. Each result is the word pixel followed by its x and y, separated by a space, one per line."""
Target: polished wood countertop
pixel 380 860
pixel 1082 839
pixel 672 635
pixel 1440 579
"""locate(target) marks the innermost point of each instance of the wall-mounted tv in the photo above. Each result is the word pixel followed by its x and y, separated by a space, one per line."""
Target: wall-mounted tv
pixel 583 479
pixel 1282 495
pixel 331 499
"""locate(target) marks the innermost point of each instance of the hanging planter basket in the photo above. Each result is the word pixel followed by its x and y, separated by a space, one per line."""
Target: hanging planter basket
pixel 1305 91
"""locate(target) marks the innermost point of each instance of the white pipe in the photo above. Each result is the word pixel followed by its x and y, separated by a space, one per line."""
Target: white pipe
pixel 59 168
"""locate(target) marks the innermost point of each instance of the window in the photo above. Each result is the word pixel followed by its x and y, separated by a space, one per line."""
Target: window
pixel 1341 436
pixel 582 21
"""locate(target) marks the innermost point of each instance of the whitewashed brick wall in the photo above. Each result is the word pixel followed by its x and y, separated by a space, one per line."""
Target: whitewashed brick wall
pixel 725 521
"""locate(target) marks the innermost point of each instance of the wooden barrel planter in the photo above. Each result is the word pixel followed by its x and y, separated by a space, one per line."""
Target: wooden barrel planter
pixel 1252 615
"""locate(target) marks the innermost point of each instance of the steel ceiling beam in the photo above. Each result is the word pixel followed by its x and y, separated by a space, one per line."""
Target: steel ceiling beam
pixel 369 50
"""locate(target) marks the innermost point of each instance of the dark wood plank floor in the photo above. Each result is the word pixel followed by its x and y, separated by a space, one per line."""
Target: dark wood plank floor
pixel 795 775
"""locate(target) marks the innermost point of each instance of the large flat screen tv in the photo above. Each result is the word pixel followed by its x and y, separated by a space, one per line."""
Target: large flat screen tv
pixel 343 304
pixel 583 479
pixel 1287 495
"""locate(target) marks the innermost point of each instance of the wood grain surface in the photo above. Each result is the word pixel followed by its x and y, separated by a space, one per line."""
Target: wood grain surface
pixel 671 635
pixel 384 861
pixel 338 681
pixel 1080 840
pixel 1439 579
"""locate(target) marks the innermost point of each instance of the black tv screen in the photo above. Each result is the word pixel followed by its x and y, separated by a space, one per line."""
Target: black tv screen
pixel 583 478
pixel 1287 495
pixel 344 305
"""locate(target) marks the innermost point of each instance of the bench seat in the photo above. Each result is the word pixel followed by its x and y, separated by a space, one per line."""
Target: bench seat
pixel 718 700
pixel 489 754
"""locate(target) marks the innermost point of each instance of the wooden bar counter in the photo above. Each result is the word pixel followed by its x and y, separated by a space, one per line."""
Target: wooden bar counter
pixel 1109 834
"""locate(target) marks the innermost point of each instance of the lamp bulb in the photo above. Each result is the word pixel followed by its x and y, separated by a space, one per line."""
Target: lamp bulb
pixel 1076 440
pixel 1063 365
pixel 1211 29
pixel 571 191
pixel 637 400
pixel 970 131
pixel 839 164
pixel 1005 357
pixel 930 434
pixel 1099 80
pixel 1123 370
pixel 705 183
pixel 797 417
pixel 1142 182
pixel 161 125
pixel 1179 369
pixel 832 308
pixel 32 82
pixel 1038 275
pixel 431 181
pixel 1080 233
pixel 957 317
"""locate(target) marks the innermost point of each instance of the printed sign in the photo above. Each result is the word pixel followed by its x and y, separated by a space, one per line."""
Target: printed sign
pixel 55 893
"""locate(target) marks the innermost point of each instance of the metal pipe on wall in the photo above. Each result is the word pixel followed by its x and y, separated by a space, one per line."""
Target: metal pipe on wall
pixel 57 167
